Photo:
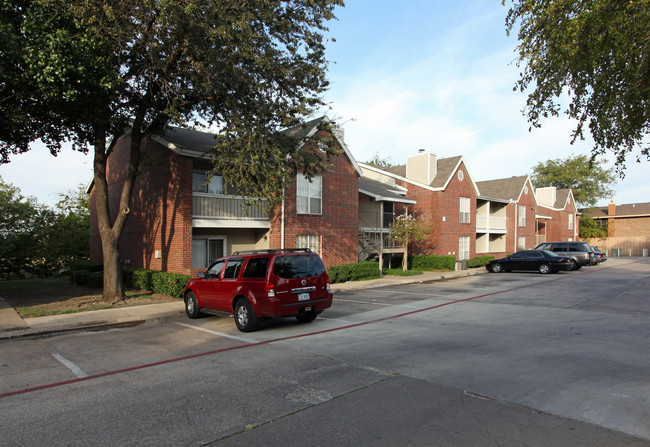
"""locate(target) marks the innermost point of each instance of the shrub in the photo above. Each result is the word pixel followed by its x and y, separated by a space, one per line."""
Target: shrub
pixel 171 284
pixel 479 261
pixel 351 272
pixel 433 262
pixel 138 278
pixel 80 277
pixel 84 264
pixel 95 279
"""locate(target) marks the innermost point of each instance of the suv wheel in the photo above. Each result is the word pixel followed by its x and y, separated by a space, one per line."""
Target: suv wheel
pixel 307 317
pixel 192 306
pixel 245 317
pixel 574 265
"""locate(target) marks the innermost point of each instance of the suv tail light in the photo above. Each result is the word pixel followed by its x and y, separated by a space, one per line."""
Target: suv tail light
pixel 270 289
pixel 327 286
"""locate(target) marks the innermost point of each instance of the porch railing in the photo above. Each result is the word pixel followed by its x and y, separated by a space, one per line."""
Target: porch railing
pixel 227 208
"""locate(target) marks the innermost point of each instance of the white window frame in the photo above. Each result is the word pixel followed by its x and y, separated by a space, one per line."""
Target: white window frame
pixel 313 242
pixel 309 195
pixel 522 215
pixel 464 210
pixel 570 221
pixel 463 248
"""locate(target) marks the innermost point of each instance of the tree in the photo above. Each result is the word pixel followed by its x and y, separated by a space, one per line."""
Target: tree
pixel 380 162
pixel 588 179
pixel 91 71
pixel 597 52
pixel 590 229
pixel 406 229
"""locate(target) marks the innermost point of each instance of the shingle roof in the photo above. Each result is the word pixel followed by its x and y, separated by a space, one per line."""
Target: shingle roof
pixel 446 168
pixel 503 188
pixel 381 191
pixel 625 210
pixel 561 196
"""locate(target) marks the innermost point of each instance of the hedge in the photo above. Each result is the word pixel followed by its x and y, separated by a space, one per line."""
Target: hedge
pixel 138 278
pixel 351 272
pixel 433 262
pixel 171 284
pixel 479 261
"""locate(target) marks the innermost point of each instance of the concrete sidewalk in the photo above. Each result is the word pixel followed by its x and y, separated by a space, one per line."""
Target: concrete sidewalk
pixel 13 326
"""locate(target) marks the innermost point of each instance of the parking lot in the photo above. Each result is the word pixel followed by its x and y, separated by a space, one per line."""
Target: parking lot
pixel 494 359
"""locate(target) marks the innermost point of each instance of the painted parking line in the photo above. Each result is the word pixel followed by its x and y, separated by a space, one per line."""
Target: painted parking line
pixel 71 366
pixel 290 337
pixel 220 334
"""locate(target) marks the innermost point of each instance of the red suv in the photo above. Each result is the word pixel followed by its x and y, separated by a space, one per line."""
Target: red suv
pixel 257 284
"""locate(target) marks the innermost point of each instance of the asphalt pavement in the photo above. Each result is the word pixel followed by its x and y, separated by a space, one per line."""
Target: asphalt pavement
pixel 13 326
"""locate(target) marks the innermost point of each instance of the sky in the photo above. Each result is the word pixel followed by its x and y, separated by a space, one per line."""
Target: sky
pixel 418 74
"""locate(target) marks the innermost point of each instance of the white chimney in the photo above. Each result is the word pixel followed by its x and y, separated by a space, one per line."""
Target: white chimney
pixel 422 167
pixel 546 196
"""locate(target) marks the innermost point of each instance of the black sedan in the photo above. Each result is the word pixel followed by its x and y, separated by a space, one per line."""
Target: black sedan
pixel 543 261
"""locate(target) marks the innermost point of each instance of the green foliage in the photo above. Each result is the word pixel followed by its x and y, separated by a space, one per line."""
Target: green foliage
pixel 590 229
pixel 80 277
pixel 406 229
pixel 479 261
pixel 92 71
pixel 95 279
pixel 138 278
pixel 353 272
pixel 587 178
pixel 84 264
pixel 597 52
pixel 170 284
pixel 433 263
pixel 380 162
pixel 400 272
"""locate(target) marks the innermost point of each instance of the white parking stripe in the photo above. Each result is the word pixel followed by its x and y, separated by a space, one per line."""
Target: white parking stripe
pixel 221 334
pixel 71 366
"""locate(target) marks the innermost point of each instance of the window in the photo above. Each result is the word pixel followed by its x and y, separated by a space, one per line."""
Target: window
pixel 298 266
pixel 570 221
pixel 521 243
pixel 309 241
pixel 463 247
pixel 522 216
pixel 256 268
pixel 464 210
pixel 309 195
pixel 204 251
pixel 214 186
pixel 213 271
pixel 232 268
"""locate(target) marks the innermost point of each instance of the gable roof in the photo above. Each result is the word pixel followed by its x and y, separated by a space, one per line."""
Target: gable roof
pixel 382 192
pixel 625 210
pixel 195 143
pixel 504 189
pixel 446 168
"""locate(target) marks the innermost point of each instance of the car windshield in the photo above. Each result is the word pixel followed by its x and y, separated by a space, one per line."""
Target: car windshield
pixel 301 266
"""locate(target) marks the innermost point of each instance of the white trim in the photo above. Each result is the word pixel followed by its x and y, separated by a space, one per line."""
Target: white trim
pixel 234 223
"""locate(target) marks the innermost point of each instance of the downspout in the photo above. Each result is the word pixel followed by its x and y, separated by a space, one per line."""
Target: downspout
pixel 282 222
pixel 381 237
pixel 516 225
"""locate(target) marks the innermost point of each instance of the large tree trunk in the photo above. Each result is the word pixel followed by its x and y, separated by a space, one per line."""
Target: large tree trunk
pixel 111 228
pixel 405 259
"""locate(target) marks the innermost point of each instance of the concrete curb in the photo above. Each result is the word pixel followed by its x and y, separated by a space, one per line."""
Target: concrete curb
pixel 12 326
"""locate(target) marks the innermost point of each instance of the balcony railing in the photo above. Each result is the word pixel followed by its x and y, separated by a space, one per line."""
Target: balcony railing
pixel 226 208
pixel 486 223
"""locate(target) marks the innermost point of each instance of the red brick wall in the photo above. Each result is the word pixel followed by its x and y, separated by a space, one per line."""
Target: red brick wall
pixel 441 211
pixel 338 223
pixel 527 200
pixel 158 233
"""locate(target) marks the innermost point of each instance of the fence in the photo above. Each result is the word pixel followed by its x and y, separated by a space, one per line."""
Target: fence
pixel 623 245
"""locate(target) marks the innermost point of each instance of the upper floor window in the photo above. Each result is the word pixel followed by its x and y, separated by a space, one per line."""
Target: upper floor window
pixel 570 221
pixel 309 195
pixel 522 216
pixel 464 210
pixel 200 183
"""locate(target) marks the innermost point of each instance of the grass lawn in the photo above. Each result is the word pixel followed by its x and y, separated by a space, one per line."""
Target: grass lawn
pixel 53 296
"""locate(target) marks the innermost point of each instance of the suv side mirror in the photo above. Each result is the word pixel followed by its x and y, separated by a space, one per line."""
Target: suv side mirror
pixel 201 275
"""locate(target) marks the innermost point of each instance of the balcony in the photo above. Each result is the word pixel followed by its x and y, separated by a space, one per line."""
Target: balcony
pixel 216 211
pixel 491 224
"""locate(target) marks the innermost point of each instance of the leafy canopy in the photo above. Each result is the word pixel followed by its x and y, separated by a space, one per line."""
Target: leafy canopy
pixel 89 70
pixel 588 179
pixel 597 52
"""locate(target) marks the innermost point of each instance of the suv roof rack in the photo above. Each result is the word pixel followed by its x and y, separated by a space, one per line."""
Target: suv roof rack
pixel 272 251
